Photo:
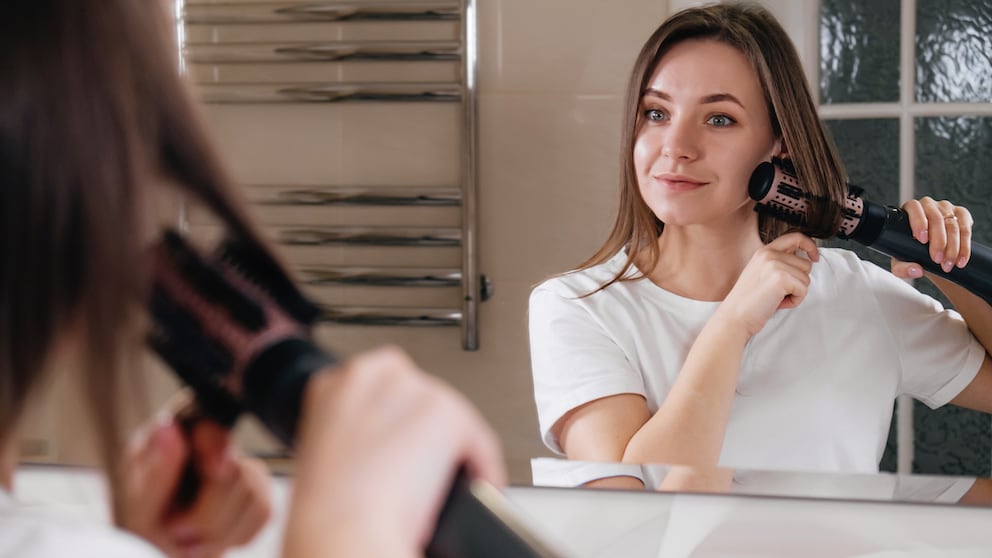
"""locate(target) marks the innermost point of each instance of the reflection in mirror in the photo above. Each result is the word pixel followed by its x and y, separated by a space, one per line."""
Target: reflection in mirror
pixel 882 487
pixel 704 333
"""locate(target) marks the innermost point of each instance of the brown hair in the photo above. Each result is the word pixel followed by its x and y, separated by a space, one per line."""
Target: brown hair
pixel 93 114
pixel 759 36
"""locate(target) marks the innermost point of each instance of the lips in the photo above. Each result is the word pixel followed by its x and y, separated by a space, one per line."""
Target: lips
pixel 679 182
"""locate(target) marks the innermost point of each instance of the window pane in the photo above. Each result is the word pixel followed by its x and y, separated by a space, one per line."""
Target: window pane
pixel 953 50
pixel 859 51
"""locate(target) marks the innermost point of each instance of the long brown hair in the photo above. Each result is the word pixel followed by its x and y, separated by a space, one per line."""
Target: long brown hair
pixel 758 35
pixel 93 114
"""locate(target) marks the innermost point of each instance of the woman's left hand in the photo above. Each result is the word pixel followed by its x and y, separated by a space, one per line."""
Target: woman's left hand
pixel 945 227
pixel 232 505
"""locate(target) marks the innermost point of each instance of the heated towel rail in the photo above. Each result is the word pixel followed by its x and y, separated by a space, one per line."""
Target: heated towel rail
pixel 216 50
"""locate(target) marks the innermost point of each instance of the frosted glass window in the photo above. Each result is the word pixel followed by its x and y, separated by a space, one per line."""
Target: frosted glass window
pixel 859 51
pixel 953 51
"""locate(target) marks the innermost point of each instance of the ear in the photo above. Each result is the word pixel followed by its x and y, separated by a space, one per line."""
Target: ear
pixel 783 152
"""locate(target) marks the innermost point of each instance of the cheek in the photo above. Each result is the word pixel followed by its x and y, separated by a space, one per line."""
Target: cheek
pixel 643 154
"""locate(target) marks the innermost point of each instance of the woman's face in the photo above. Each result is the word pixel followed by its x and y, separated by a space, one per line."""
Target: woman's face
pixel 704 128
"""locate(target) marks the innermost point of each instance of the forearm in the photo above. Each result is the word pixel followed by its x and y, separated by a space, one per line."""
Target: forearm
pixel 976 312
pixel 690 426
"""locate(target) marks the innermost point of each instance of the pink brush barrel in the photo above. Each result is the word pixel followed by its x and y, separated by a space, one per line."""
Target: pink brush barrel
pixel 777 189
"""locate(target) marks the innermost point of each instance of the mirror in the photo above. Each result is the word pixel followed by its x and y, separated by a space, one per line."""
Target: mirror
pixel 551 78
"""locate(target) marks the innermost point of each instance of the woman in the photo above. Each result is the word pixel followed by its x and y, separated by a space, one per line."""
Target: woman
pixel 702 333
pixel 95 129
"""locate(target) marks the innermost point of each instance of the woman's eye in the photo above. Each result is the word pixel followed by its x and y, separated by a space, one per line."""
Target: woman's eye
pixel 654 114
pixel 720 120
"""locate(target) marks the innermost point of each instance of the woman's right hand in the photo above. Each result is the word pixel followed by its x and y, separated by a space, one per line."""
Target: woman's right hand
pixel 776 277
pixel 379 444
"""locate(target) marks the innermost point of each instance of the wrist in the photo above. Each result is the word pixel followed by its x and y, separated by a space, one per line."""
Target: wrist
pixel 729 328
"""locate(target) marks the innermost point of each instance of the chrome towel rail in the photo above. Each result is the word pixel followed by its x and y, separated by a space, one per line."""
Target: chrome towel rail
pixel 261 53
pixel 371 236
pixel 303 64
pixel 354 195
pixel 383 276
pixel 289 12
pixel 329 92
pixel 392 316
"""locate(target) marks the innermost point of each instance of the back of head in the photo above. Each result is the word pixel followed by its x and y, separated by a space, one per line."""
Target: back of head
pixel 93 115
pixel 755 32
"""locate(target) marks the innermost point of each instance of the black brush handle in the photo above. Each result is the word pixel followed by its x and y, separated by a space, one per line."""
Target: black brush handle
pixel 895 239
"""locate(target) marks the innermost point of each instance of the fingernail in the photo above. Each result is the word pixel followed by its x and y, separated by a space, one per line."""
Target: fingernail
pixel 962 262
pixel 915 271
pixel 939 258
pixel 946 266
pixel 924 236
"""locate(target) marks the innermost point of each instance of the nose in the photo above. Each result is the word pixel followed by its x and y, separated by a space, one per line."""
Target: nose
pixel 680 141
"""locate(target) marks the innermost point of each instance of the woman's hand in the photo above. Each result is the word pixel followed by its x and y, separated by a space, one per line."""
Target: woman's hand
pixel 945 227
pixel 379 444
pixel 232 505
pixel 776 277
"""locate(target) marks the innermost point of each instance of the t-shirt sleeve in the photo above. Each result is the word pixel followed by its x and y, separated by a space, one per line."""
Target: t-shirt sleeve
pixel 574 359
pixel 938 355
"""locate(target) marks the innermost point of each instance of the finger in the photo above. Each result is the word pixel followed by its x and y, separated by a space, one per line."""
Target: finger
pixel 231 508
pixel 965 226
pixel 792 242
pixel 157 469
pixel 906 270
pixel 952 234
pixel 936 228
pixel 257 509
pixel 211 444
pixel 797 287
pixel 918 221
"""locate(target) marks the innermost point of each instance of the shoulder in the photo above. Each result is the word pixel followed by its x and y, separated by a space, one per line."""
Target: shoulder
pixel 852 274
pixel 841 261
pixel 578 283
pixel 849 272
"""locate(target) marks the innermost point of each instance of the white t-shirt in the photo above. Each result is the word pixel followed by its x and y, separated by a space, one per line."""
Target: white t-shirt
pixel 32 533
pixel 816 385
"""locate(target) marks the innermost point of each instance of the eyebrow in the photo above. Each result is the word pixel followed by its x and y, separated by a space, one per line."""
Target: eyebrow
pixel 714 98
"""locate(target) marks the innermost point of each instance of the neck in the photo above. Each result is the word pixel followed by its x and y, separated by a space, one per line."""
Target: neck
pixel 703 262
